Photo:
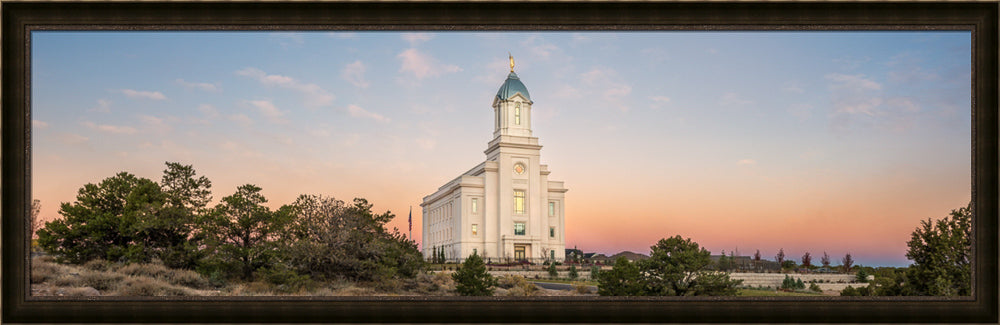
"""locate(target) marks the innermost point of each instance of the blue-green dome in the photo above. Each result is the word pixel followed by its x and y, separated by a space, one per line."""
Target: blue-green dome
pixel 512 86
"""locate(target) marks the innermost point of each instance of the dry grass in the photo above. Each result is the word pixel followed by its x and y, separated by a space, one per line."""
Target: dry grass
pixel 517 286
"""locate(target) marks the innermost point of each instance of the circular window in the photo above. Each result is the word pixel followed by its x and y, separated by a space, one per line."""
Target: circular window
pixel 519 168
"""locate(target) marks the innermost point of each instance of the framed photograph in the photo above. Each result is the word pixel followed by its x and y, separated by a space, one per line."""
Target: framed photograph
pixel 499 162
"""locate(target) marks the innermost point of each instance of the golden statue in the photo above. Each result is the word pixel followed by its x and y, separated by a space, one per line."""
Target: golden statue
pixel 511 62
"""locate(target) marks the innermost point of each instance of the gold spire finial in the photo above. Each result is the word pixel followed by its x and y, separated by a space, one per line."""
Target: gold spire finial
pixel 511 62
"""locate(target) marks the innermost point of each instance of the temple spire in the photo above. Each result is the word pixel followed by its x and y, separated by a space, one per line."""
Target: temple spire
pixel 511 61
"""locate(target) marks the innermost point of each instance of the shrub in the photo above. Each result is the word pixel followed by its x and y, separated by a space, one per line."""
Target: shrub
pixel 101 280
pixel 849 291
pixel 97 265
pixel 472 279
pixel 861 276
pixel 582 289
pixel 42 271
pixel 572 272
pixel 145 269
pixel 552 270
pixel 289 281
pixel 815 287
pixel 147 286
pixel 518 286
pixel 594 272
pixel 187 278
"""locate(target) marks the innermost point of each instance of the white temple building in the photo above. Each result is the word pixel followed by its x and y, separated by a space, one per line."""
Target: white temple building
pixel 504 209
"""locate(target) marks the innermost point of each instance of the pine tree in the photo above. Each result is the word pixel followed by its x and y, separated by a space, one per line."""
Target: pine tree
pixel 471 279
pixel 572 272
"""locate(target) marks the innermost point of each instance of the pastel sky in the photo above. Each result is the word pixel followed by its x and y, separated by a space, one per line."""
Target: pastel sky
pixel 807 141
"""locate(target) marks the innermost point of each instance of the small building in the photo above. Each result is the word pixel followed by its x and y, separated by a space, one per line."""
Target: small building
pixel 505 208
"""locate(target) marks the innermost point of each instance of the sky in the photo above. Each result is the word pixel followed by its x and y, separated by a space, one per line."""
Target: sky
pixel 837 142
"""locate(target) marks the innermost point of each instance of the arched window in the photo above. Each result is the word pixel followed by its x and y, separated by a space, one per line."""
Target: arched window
pixel 517 113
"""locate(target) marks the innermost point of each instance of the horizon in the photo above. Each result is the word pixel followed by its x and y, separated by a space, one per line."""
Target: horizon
pixel 807 141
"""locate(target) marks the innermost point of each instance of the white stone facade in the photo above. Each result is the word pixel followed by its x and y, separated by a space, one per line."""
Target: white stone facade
pixel 504 209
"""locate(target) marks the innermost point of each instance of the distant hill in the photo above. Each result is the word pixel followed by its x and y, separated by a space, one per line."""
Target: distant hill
pixel 629 255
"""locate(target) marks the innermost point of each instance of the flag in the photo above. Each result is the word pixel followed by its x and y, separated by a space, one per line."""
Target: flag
pixel 411 221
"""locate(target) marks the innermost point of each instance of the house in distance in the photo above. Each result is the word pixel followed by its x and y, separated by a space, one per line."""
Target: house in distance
pixel 505 208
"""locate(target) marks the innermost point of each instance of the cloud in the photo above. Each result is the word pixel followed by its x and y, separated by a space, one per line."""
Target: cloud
pixel 103 106
pixel 73 139
pixel 357 111
pixel 154 123
pixel 608 84
pixel 315 96
pixel 743 162
pixel 538 47
pixel 425 143
pixel 416 38
pixel 660 99
pixel 733 99
pixel 208 110
pixel 422 65
pixel 114 129
pixel 858 82
pixel 241 119
pixel 343 35
pixel 154 95
pixel 355 74
pixel 198 85
pixel 269 111
pixel 39 124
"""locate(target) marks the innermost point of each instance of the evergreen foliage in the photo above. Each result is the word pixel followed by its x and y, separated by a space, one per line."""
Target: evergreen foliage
pixel 573 273
pixel 941 252
pixel 552 270
pixel 675 267
pixel 471 279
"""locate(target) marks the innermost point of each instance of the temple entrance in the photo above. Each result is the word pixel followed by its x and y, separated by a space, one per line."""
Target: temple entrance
pixel 520 252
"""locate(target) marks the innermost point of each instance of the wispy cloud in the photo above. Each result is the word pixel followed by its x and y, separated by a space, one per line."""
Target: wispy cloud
pixel 154 95
pixel 416 38
pixel 155 123
pixel 733 99
pixel 241 119
pixel 538 47
pixel 421 65
pixel 208 110
pixel 73 139
pixel 103 106
pixel 315 96
pixel 357 111
pixel 198 85
pixel 355 74
pixel 39 124
pixel 269 111
pixel 746 161
pixel 114 129
pixel 607 83
pixel 852 82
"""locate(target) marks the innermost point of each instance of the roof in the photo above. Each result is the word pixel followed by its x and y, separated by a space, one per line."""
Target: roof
pixel 512 86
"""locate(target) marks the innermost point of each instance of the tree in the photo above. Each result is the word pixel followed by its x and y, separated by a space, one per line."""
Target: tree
pixel 595 271
pixel 825 260
pixel 130 219
pixel 552 270
pixel 806 260
pixel 940 252
pixel 756 260
pixel 623 279
pixel 788 264
pixel 173 236
pixel 471 279
pixel 110 220
pixel 847 262
pixel 678 267
pixel 572 272
pixel 780 258
pixel 327 239
pixel 242 233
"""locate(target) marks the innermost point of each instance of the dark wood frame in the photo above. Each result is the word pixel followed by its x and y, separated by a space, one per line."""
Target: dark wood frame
pixel 19 18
